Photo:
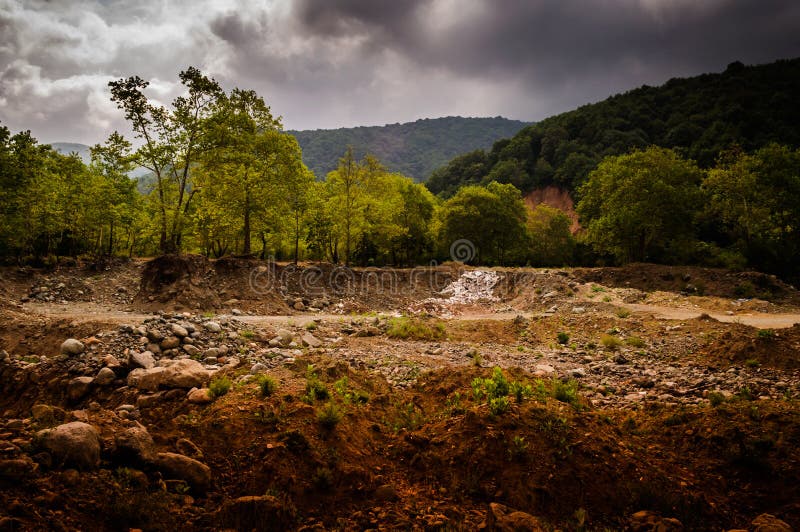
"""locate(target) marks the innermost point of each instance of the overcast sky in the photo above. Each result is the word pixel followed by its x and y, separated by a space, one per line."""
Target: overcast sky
pixel 341 63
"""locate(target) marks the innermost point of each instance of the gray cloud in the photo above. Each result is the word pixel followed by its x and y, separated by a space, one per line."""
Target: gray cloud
pixel 332 63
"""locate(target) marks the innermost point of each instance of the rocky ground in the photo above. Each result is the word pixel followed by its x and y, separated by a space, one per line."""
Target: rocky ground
pixel 441 399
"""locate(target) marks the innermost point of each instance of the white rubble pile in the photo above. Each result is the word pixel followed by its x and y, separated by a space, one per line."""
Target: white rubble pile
pixel 472 286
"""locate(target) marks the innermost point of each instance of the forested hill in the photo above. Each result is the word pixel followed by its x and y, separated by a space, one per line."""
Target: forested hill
pixel 414 149
pixel 699 116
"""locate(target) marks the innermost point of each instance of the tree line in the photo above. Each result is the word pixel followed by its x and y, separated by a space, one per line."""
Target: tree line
pixel 225 179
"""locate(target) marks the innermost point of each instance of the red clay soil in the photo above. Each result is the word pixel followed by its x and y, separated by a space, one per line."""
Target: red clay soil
pixel 558 198
pixel 431 457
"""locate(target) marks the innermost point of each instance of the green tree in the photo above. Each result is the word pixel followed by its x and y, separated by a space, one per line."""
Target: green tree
pixel 552 243
pixel 756 200
pixel 492 218
pixel 113 193
pixel 641 206
pixel 171 141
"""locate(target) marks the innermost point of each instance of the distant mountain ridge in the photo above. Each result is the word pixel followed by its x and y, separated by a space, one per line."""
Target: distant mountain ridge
pixel 414 149
pixel 748 106
pixel 66 148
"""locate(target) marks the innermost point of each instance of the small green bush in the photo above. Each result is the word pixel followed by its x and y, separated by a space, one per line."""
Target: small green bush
pixel 610 342
pixel 566 391
pixel 635 341
pixel 329 416
pixel 562 338
pixel 716 398
pixel 517 448
pixel 220 386
pixel 766 334
pixel 623 313
pixel 267 385
pixel 520 391
pixel 498 406
pixel 415 329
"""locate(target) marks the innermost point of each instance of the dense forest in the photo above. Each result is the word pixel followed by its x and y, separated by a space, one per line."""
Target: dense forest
pixel 226 179
pixel 413 149
pixel 698 117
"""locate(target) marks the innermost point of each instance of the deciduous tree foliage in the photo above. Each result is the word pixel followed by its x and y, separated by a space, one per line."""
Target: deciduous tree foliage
pixel 492 218
pixel 640 207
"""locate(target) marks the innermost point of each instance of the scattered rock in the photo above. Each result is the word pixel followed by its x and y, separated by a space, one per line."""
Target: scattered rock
pixel 200 396
pixel 769 523
pixel 180 467
pixel 79 387
pixel 105 377
pixel 134 446
pixel 178 331
pixel 72 347
pixel 76 444
pixel 212 326
pixel 144 360
pixel 504 519
pixel 255 513
pixel 310 340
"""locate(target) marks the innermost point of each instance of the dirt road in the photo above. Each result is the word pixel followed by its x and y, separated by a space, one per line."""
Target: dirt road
pixel 82 312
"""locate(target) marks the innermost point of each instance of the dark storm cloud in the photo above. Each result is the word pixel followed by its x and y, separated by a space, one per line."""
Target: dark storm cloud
pixel 331 63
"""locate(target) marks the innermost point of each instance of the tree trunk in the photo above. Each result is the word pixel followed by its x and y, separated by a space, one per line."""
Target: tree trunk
pixel 111 238
pixel 246 245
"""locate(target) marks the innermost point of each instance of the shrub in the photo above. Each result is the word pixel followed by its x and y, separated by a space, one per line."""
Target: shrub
pixel 520 391
pixel 562 338
pixel 219 386
pixel 329 416
pixel 610 342
pixel 267 385
pixel 566 391
pixel 766 334
pixel 517 448
pixel 752 363
pixel 635 341
pixel 495 386
pixel 623 313
pixel 415 329
pixel 498 406
pixel 716 398
pixel 315 390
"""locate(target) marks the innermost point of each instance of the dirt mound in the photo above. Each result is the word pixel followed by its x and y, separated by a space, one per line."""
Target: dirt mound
pixel 266 287
pixel 769 348
pixel 177 281
pixel 693 280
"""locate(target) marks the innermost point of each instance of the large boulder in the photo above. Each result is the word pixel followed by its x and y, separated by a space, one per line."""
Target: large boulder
pixel 79 387
pixel 178 467
pixel 769 523
pixel 73 444
pixel 134 446
pixel 182 373
pixel 72 347
pixel 255 513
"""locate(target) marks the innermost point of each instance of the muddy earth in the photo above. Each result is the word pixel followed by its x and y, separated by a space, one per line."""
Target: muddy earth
pixel 188 394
